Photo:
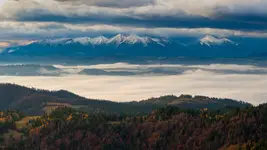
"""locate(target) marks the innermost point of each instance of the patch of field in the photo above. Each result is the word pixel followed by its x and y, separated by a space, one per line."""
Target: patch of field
pixel 23 122
pixel 115 122
pixel 51 106
pixel 49 109
pixel 12 133
pixel 58 104
pixel 78 106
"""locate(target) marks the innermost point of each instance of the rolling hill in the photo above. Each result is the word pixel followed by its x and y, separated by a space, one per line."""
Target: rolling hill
pixel 35 102
pixel 192 102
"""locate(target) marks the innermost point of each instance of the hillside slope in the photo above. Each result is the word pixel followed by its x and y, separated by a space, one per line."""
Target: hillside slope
pixel 36 102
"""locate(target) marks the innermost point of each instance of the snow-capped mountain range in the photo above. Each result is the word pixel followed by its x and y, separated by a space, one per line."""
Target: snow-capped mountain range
pixel 135 46
pixel 101 40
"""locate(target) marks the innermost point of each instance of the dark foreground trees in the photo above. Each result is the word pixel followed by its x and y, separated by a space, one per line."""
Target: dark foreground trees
pixel 165 128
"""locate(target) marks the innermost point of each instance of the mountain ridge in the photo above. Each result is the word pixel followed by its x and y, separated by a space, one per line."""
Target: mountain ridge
pixel 118 40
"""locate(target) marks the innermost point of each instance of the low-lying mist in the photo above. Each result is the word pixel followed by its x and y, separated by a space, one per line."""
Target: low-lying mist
pixel 124 69
pixel 125 82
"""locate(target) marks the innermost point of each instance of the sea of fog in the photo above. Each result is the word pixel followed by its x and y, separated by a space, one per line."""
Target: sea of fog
pixel 127 82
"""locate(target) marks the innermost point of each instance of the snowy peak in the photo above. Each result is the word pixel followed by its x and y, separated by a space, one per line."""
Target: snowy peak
pixel 131 39
pixel 134 39
pixel 98 40
pixel 82 40
pixel 94 41
pixel 211 40
pixel 118 39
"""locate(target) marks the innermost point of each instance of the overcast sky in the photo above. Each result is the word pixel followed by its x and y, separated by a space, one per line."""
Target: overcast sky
pixel 26 20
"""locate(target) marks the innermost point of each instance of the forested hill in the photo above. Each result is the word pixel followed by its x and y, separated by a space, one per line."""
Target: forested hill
pixel 164 128
pixel 37 102
pixel 192 102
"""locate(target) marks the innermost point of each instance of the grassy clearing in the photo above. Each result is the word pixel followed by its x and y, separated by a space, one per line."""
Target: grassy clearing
pixel 78 106
pixel 12 133
pixel 23 122
pixel 49 109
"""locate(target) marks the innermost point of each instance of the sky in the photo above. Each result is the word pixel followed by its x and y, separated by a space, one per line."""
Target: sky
pixel 23 21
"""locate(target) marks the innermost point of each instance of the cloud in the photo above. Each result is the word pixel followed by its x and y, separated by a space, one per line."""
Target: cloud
pixel 31 31
pixel 4 44
pixel 232 22
pixel 170 69
pixel 122 69
pixel 237 15
pixel 9 43
pixel 111 3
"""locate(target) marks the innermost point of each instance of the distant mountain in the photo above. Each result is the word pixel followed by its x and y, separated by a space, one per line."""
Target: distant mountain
pixel 211 40
pixel 140 46
pixel 85 46
pixel 29 70
pixel 101 40
pixel 35 102
pixel 118 45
